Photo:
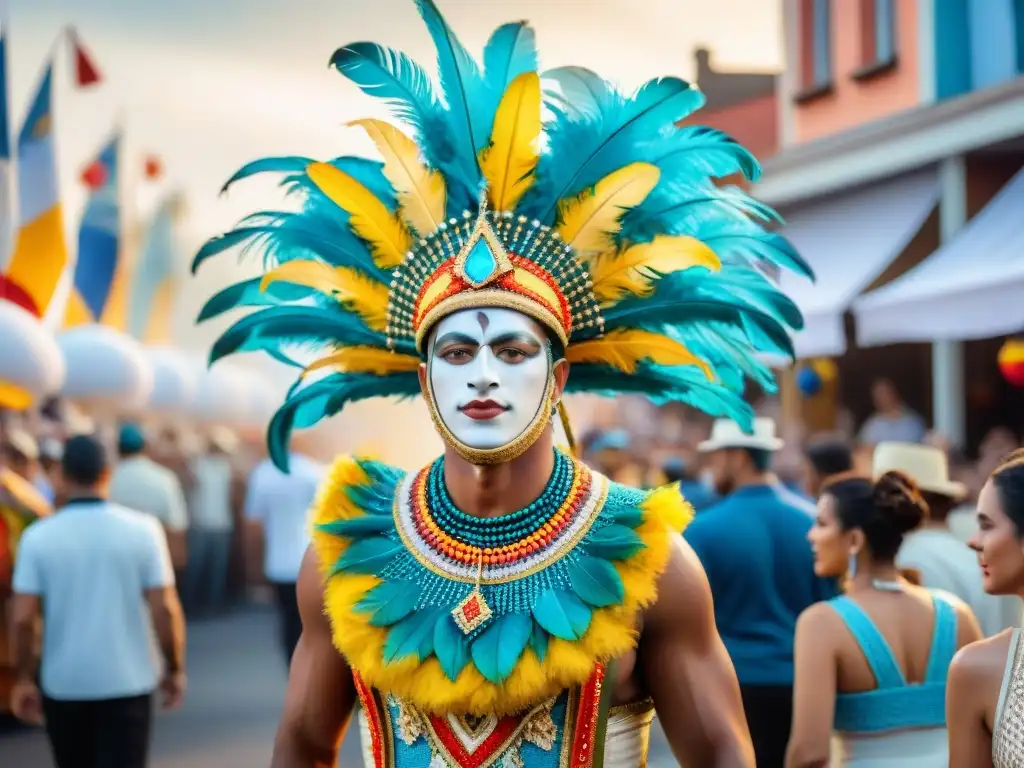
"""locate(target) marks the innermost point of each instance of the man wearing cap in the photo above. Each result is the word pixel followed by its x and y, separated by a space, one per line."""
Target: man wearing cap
pixel 941 560
pixel 141 484
pixel 753 546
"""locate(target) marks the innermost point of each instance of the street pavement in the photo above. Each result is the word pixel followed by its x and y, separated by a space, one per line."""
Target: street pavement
pixel 236 687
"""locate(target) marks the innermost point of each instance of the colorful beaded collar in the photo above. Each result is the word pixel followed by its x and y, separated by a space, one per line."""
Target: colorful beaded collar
pixel 417 618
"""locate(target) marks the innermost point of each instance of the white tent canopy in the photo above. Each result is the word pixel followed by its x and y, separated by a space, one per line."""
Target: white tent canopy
pixel 971 288
pixel 106 369
pixel 176 380
pixel 849 240
pixel 30 359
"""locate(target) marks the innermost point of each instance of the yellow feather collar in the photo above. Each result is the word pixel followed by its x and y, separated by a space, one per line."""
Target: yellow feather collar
pixel 611 633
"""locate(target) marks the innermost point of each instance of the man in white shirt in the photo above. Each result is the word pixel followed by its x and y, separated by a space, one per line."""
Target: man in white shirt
pixel 280 504
pixel 99 575
pixel 210 535
pixel 141 484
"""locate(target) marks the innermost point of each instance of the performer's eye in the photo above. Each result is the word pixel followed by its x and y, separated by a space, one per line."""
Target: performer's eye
pixel 457 355
pixel 511 355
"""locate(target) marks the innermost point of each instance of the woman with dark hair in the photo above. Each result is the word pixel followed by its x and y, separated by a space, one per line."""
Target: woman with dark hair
pixel 871 664
pixel 985 698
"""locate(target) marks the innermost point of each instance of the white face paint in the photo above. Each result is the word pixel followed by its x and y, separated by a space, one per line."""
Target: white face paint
pixel 489 371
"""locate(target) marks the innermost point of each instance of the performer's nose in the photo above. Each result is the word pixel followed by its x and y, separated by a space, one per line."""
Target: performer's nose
pixel 485 375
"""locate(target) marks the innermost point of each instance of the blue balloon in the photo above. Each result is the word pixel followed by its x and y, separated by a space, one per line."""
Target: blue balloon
pixel 808 381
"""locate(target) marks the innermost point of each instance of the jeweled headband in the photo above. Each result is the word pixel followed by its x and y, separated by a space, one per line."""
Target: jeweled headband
pixel 601 220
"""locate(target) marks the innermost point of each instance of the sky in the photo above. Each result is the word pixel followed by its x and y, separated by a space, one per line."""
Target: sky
pixel 209 85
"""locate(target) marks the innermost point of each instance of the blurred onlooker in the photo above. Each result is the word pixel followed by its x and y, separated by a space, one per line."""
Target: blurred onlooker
pixel 940 559
pixel 826 460
pixel 141 484
pixel 892 420
pixel 611 455
pixel 278 505
pixel 98 575
pixel 51 451
pixel 693 487
pixel 753 546
pixel 210 532
pixel 21 455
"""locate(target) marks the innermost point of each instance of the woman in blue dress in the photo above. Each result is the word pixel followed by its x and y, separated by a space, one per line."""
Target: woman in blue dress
pixel 871 664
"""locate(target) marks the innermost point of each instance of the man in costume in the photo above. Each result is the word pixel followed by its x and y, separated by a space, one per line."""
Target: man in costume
pixel 506 606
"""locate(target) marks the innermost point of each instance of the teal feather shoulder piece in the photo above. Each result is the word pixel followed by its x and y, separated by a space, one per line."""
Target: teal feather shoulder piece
pixel 586 207
pixel 486 629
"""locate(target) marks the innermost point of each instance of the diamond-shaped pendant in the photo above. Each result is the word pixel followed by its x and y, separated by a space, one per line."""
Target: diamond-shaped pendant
pixel 472 612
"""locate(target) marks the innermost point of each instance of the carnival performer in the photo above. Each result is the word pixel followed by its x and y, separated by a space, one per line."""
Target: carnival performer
pixel 505 605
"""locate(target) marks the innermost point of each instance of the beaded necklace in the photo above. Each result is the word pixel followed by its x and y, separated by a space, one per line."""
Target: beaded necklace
pixel 506 529
pixel 456 537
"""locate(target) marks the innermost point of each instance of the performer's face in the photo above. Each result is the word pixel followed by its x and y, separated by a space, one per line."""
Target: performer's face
pixel 490 373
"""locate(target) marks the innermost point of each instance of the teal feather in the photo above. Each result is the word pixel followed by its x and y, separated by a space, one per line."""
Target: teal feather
pixel 248 294
pixel 697 150
pixel 562 614
pixel 539 641
pixel 510 51
pixel 412 636
pixel 628 516
pixel 660 385
pixel 581 92
pixel 325 397
pixel 392 76
pixel 497 649
pixel 358 527
pixel 583 151
pixel 277 325
pixel 464 89
pixel 389 602
pixel 216 245
pixel 367 556
pixel 596 581
pixel 290 164
pixel 613 542
pixel 450 646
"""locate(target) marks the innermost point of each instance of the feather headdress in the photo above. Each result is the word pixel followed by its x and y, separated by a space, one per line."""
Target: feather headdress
pixel 603 222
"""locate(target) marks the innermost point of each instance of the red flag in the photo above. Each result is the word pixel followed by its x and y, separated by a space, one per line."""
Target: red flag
pixel 86 73
pixel 153 167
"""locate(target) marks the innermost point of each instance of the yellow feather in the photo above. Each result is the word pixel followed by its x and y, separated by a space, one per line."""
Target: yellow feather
pixel 370 219
pixel 421 191
pixel 379 362
pixel 616 274
pixel 625 348
pixel 367 297
pixel 510 159
pixel 611 633
pixel 589 220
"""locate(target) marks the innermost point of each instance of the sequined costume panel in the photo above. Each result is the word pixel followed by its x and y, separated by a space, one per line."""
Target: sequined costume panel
pixel 556 733
pixel 1008 736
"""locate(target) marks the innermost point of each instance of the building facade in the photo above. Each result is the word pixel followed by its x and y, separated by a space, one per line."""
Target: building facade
pixel 901 126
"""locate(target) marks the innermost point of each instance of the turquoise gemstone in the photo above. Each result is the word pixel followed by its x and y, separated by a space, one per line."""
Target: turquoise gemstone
pixel 480 264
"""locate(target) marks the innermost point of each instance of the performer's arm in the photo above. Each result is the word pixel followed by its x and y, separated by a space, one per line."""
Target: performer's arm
pixel 688 671
pixel 321 693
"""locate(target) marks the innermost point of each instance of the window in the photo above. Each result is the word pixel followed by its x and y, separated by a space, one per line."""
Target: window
pixel 816 44
pixel 877 33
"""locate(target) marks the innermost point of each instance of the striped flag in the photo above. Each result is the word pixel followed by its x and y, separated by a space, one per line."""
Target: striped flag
pixel 99 241
pixel 40 253
pixel 152 298
pixel 6 207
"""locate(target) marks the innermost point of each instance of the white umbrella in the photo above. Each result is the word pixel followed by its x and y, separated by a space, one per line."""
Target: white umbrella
pixel 223 396
pixel 176 381
pixel 31 364
pixel 107 370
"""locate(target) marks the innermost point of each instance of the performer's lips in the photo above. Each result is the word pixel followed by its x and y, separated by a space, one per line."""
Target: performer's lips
pixel 483 410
